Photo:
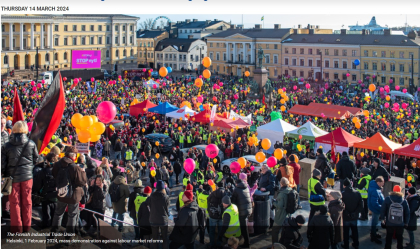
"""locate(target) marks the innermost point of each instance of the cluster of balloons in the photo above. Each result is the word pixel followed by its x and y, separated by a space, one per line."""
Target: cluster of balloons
pixel 253 140
pixel 153 172
pixel 88 128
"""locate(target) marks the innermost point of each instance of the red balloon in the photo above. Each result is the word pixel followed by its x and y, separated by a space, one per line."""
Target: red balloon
pixel 300 136
pixel 64 78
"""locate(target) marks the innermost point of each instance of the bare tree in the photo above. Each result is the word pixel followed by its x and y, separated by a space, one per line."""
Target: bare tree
pixel 147 24
pixel 163 23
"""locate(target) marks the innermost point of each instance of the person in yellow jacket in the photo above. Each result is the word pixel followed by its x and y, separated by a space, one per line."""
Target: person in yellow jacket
pixel 230 219
pixel 362 187
pixel 316 193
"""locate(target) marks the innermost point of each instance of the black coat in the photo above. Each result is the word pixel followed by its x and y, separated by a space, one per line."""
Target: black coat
pixel 380 171
pixel 131 198
pixel 320 232
pixel 346 168
pixel 98 196
pixel 4 137
pixel 290 235
pixel 414 204
pixel 321 163
pixel 214 203
pixel 186 225
pixel 177 168
pixel 354 204
pixel 10 154
pixel 159 209
pixel 242 199
pixel 143 217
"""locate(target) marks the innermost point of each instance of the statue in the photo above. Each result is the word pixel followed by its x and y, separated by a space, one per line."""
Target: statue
pixel 268 88
pixel 254 87
pixel 261 57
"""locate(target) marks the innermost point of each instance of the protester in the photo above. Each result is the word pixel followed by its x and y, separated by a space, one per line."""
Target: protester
pixel 353 206
pixel 316 193
pixel 296 175
pixel 119 193
pixel 322 165
pixel 96 202
pixel 143 214
pixel 375 202
pixel 379 170
pixel 280 203
pixel 413 200
pixel 336 207
pixel 321 230
pixel 362 187
pixel 345 169
pixel 290 235
pixel 230 226
pixel 134 201
pixel 159 215
pixel 242 199
pixel 215 209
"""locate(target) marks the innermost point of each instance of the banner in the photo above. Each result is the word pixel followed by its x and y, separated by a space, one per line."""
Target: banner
pixel 84 59
pixel 213 113
pixel 82 148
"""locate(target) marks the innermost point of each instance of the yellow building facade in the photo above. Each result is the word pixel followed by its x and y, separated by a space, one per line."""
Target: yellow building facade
pixel 55 36
pixel 147 41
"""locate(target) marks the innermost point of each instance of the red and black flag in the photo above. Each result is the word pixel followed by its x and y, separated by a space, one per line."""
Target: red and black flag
pixel 17 109
pixel 48 117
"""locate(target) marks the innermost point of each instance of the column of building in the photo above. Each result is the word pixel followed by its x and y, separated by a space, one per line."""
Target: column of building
pixel 42 36
pixel 10 36
pixel 32 36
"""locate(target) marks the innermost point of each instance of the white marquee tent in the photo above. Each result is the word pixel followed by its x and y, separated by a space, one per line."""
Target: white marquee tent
pixel 181 113
pixel 275 131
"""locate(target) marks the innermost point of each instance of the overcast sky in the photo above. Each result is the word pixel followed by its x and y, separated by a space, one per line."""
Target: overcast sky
pixel 289 21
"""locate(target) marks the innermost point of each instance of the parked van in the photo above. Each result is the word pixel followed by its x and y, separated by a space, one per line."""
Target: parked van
pixel 46 76
pixel 394 94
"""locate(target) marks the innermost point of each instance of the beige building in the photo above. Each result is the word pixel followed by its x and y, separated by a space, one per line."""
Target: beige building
pixel 55 36
pixel 147 41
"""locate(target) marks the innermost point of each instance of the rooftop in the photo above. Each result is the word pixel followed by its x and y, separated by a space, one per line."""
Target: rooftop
pixel 253 33
pixel 182 45
pixel 150 33
pixel 197 24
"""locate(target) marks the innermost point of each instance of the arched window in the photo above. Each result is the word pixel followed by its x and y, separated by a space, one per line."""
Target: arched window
pixel 47 57
pixel 117 53
pixel 65 56
pixel 56 56
pixel 6 59
pixel 107 54
pixel 124 53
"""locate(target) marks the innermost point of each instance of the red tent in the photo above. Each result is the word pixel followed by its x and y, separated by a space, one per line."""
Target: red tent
pixel 229 123
pixel 202 117
pixel 341 138
pixel 377 140
pixel 329 111
pixel 412 150
pixel 353 110
pixel 137 109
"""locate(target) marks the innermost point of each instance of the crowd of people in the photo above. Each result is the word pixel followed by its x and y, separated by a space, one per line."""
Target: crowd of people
pixel 117 174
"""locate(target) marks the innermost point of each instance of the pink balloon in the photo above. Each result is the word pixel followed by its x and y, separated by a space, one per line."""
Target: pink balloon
pixel 34 88
pixel 167 77
pixel 152 168
pixel 75 81
pixel 164 84
pixel 347 75
pixel 151 70
pixel 201 76
pixel 359 81
pixel 189 165
pixel 80 79
pixel 387 90
pixel 30 126
pixel 212 150
pixel 39 85
pixel 390 82
pixel 200 99
pixel 235 167
pixel 373 76
pixel 252 168
pixel 154 86
pixel 32 83
pixel 42 81
pixel 92 79
pixel 144 69
pixel 155 185
pixel 221 84
pixel 119 76
pixel 404 90
pixel 284 89
pixel 307 86
pixel 386 105
pixel 271 162
pixel 294 88
pixel 106 112
pixel 381 89
pixel 397 88
pixel 367 77
pixel 235 96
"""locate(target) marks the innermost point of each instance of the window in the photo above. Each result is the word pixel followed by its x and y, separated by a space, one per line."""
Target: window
pixel 353 66
pixel 217 56
pixel 55 27
pixel 401 54
pixel 3 29
pixel 116 27
pixel 286 72
pixel 117 53
pixel 302 62
pixel 123 27
pixel 131 27
pixel 47 57
pixel 35 28
pixel 293 50
pixel 366 53
pixel 286 61
pixel 353 77
pixel 383 53
pixel 192 57
pixel 65 41
pixel 344 52
pixel 327 52
pixel 92 40
pixel 99 27
pixel 409 68
pixel 344 77
pixel 392 67
pixel 116 39
pixel 286 50
pixel 6 59
pixel 301 74
pixel 374 66
pixel 124 53
pixel 335 52
pixel 83 27
pixel 410 54
pixel 275 46
pixel 310 63
pixel 310 51
pixel 267 46
pixel 374 54
pixel 55 41
pixel 108 40
pixel 344 64
pixel 74 27
pixel 302 51
pixel 56 56
pixel 131 40
pixel 108 28
pixel 100 40
pixel 14 28
pixel 275 59
pixel 217 45
pixel 65 56
pixel 293 62
pixel 327 75
pixel 185 57
pixel 123 39
pixel 383 79
pixel 401 67
pixel 401 81
pixel 267 59
pixel 366 66
pixel 392 54
pixel 354 53
pixel 335 64
pixel 74 41
pixel 83 40
pixel 336 76
pixel 294 73
pixel 383 66
pixel 327 64
pixel 318 51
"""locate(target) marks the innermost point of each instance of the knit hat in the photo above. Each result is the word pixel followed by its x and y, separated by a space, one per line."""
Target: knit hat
pixel 316 173
pixel 346 182
pixel 291 158
pixel 412 190
pixel 283 161
pixel 323 209
pixel 226 200
pixel 344 153
pixel 242 176
pixel 396 188
pixel 189 187
pixel 336 195
pixel 376 160
pixel 189 195
pixel 365 171
pixel 220 185
pixel 300 219
pixel 160 185
pixel 320 151
pixel 138 183
pixel 147 190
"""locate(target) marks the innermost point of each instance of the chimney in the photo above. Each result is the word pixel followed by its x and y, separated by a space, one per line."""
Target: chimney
pixel 216 20
pixel 190 36
pixel 299 26
pixel 208 22
pixel 309 26
pixel 387 32
pixel 187 20
pixel 311 31
pixel 277 26
pixel 412 35
pixel 178 22
pixel 195 20
pixel 233 26
pixel 257 26
pixel 317 26
pixel 343 31
pixel 363 31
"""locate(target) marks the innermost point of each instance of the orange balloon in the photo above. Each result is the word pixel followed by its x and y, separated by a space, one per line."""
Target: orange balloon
pixel 242 162
pixel 206 73
pixel 94 118
pixel 95 138
pixel 247 73
pixel 86 122
pixel 372 87
pixel 380 148
pixel 266 143
pixel 198 82
pixel 163 71
pixel 278 154
pixel 283 108
pixel 358 125
pixel 157 155
pixel 366 113
pixel 98 128
pixel 260 157
pixel 207 62
pixel 84 136
pixel 75 120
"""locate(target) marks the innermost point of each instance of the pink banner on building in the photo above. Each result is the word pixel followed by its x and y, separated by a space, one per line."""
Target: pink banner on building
pixel 82 59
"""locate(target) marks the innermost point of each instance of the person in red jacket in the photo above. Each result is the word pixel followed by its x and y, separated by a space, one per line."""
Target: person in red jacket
pixel 296 172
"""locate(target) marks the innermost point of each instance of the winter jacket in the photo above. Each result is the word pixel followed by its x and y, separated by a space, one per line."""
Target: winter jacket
pixel 186 225
pixel 120 206
pixel 164 174
pixel 321 163
pixel 77 177
pixel 131 207
pixel 4 138
pixel 380 171
pixel 336 208
pixel 173 156
pixel 281 172
pixel 320 232
pixel 354 204
pixel 396 197
pixel 267 181
pixel 143 216
pixel 107 146
pixel 242 199
pixel 98 196
pixel 40 185
pixel 296 171
pixel 10 153
pixel 346 168
pixel 375 197
pixel 159 209
pixel 414 204
pixel 214 203
pixel 177 168
pixel 280 203
pixel 290 235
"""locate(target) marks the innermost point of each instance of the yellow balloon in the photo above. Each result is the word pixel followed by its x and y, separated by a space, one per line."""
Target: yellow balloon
pixel 153 173
pixel 157 143
pixel 98 128
pixel 157 155
pixel 362 154
pixel 260 157
pixel 215 160
pixel 380 148
pixel 278 154
pixel 86 122
pixel 75 120
pixel 266 143
pixel 84 136
pixel 95 138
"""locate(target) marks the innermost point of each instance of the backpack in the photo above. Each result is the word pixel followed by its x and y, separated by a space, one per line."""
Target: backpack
pixel 63 182
pixel 292 202
pixel 49 189
pixel 201 216
pixel 114 192
pixel 396 213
